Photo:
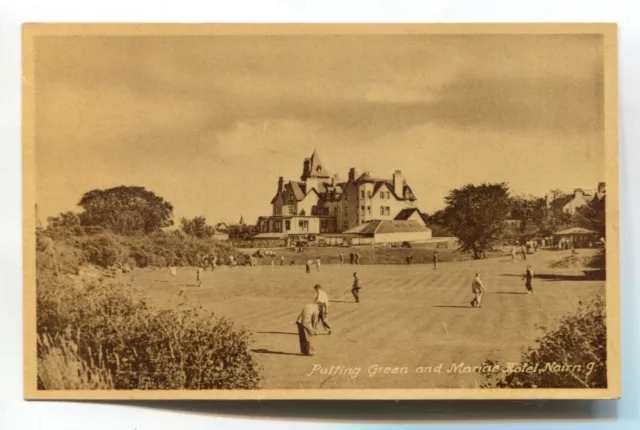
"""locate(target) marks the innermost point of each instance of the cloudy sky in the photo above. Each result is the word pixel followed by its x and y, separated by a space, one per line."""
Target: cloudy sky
pixel 210 122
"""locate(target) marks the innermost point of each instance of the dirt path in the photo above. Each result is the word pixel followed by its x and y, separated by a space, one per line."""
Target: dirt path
pixel 410 316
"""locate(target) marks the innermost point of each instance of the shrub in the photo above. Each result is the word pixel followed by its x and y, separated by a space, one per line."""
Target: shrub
pixel 103 250
pixel 145 348
pixel 578 340
pixel 61 368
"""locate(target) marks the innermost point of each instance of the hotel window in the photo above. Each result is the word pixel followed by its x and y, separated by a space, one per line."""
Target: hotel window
pixel 292 209
pixel 362 194
pixel 369 194
pixel 381 210
pixel 368 210
pixel 362 209
pixel 287 225
pixel 387 211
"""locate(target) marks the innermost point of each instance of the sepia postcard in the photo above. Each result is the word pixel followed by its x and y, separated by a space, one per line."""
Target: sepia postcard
pixel 314 211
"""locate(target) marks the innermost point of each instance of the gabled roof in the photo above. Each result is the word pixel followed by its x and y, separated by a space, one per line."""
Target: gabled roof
pixel 406 189
pixel 561 201
pixel 367 228
pixel 387 226
pixel 395 226
pixel 405 214
pixel 298 189
pixel 573 230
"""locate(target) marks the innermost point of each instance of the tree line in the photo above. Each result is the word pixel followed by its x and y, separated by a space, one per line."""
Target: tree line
pixel 477 215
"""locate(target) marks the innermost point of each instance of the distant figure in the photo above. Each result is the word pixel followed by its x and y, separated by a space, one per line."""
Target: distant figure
pixel 409 259
pixel 352 257
pixel 524 252
pixel 308 266
pixel 355 290
pixel 273 264
pixel 198 281
pixel 529 279
pixel 323 301
pixel 214 262
pixel 232 261
pixel 435 260
pixel 292 263
pixel 513 254
pixel 173 271
pixel 282 261
pixel 477 287
pixel 318 263
pixel 357 258
pixel 573 250
pixel 306 323
pixel 341 258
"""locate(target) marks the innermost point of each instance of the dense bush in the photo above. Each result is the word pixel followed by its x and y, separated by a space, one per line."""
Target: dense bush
pixel 579 339
pixel 141 347
pixel 103 250
pixel 106 249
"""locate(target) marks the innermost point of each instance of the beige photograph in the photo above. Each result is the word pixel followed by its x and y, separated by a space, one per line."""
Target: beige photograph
pixel 320 211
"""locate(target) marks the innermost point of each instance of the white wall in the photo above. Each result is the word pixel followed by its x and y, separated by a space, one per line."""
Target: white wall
pixel 421 236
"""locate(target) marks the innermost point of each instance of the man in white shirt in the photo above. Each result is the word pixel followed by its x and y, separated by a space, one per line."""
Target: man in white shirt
pixel 323 301
pixel 477 287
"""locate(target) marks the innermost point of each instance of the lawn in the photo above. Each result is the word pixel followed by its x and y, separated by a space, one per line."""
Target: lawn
pixel 410 316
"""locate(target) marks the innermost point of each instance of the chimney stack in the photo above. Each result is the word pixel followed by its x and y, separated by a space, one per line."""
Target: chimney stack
pixel 280 184
pixel 398 183
pixel 305 170
pixel 601 187
pixel 352 174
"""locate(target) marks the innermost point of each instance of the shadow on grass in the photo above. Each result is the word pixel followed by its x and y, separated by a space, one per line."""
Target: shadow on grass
pixel 276 332
pixel 450 306
pixel 587 275
pixel 267 351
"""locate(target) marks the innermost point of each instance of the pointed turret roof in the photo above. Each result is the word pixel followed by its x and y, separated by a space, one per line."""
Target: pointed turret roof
pixel 315 168
pixel 241 220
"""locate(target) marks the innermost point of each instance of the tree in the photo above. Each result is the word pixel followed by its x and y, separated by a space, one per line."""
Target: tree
pixel 535 215
pixel 592 216
pixel 476 215
pixel 126 210
pixel 197 227
pixel 436 223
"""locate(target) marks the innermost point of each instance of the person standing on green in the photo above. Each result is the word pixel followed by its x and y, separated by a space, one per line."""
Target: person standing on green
pixel 477 287
pixel 355 290
pixel 528 276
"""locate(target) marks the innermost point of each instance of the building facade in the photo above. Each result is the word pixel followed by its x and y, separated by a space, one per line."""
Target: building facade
pixel 321 203
pixel 569 202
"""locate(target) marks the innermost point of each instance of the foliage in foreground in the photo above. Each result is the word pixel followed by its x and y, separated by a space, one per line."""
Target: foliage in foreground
pixel 579 339
pixel 137 345
pixel 61 368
